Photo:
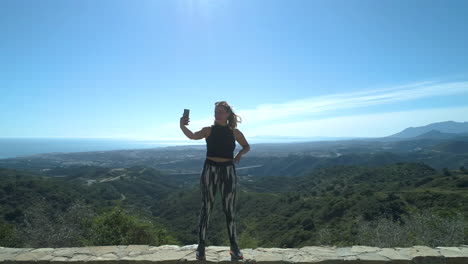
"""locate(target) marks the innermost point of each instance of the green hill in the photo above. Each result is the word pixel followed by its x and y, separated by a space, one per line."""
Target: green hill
pixel 457 147
pixel 327 206
pixel 339 205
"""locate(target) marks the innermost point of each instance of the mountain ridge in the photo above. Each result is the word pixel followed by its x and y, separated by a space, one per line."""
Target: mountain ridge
pixel 448 127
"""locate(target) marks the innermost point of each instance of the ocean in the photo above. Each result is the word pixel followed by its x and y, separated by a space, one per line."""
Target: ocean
pixel 17 147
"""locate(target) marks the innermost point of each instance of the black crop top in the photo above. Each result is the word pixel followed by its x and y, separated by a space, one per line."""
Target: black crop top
pixel 221 142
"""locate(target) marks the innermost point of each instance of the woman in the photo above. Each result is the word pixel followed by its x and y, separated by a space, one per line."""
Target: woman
pixel 219 171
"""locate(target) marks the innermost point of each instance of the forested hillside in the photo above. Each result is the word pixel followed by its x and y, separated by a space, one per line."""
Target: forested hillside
pixel 411 203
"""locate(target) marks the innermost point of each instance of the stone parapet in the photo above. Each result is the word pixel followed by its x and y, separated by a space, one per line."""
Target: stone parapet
pixel 141 254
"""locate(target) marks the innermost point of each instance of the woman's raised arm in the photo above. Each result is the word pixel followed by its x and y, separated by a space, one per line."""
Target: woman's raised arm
pixel 197 135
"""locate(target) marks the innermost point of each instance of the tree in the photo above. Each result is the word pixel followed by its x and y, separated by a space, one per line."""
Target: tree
pixel 46 226
pixel 427 228
pixel 119 228
pixel 8 236
pixel 446 172
pixel 462 169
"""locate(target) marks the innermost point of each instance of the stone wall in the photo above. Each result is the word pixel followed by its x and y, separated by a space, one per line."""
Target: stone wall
pixel 174 254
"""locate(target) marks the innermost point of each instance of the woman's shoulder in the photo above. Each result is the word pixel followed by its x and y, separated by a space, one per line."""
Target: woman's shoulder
pixel 207 130
pixel 237 132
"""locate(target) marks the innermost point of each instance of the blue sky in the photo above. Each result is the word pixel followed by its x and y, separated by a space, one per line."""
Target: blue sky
pixel 127 69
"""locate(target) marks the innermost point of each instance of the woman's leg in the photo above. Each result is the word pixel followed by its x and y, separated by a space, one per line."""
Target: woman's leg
pixel 208 184
pixel 228 193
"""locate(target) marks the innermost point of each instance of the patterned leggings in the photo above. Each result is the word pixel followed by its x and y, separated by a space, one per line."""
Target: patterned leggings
pixel 216 175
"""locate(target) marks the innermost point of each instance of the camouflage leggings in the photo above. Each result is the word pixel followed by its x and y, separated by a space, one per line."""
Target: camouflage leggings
pixel 216 175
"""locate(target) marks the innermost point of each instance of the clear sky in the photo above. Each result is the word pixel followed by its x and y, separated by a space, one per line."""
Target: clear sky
pixel 127 69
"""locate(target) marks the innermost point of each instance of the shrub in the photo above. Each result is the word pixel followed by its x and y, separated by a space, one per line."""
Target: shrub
pixel 46 226
pixel 118 228
pixel 8 237
pixel 424 228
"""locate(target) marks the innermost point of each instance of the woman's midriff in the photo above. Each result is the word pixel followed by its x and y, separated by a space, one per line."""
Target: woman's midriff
pixel 217 159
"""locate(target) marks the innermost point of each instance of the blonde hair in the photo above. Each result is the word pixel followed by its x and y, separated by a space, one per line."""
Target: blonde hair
pixel 233 119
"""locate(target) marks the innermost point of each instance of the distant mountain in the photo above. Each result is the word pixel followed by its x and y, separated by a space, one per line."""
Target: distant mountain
pixel 436 134
pixel 448 127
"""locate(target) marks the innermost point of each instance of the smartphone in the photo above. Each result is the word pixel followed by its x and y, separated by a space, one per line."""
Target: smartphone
pixel 186 112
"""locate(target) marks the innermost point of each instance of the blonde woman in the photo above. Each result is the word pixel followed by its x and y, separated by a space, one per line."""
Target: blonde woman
pixel 219 171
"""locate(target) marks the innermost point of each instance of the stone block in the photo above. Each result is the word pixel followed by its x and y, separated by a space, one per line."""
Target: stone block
pixel 137 248
pixel 396 256
pixel 80 258
pixel 101 250
pixel 30 256
pixel 364 249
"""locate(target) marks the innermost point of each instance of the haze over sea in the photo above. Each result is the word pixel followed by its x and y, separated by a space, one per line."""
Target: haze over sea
pixel 15 147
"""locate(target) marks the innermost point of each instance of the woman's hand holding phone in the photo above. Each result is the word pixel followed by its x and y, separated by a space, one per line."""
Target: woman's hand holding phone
pixel 184 120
